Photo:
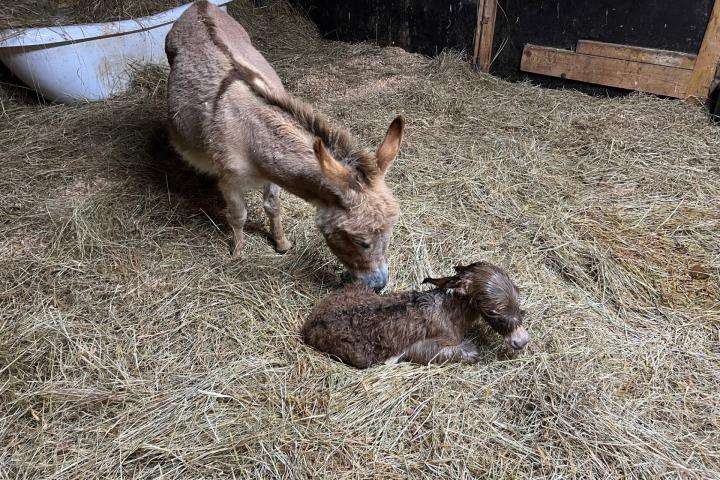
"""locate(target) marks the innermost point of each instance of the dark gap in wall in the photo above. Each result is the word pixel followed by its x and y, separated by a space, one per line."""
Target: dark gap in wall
pixel 430 26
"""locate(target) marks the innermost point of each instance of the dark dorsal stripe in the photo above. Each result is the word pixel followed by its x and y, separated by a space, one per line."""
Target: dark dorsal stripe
pixel 339 141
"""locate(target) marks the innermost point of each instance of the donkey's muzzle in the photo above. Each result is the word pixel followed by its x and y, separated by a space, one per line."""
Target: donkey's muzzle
pixel 375 279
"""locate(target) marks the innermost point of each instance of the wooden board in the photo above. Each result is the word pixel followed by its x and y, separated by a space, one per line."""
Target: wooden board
pixel 484 33
pixel 637 54
pixel 612 72
pixel 708 57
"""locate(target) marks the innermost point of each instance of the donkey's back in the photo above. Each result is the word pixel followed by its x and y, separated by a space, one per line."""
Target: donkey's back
pixel 199 69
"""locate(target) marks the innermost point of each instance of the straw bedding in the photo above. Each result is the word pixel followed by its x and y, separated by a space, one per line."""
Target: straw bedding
pixel 132 346
pixel 42 13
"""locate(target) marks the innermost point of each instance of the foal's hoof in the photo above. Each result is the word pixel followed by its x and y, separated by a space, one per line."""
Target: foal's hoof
pixel 469 352
pixel 283 245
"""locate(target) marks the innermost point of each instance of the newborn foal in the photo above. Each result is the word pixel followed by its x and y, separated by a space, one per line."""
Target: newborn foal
pixel 363 329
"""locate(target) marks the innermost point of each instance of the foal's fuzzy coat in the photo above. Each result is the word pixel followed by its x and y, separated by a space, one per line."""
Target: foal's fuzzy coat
pixel 363 329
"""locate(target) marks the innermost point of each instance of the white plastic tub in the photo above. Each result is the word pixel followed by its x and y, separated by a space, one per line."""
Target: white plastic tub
pixel 76 63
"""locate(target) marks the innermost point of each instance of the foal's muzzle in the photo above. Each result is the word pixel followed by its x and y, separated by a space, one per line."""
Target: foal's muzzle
pixel 518 338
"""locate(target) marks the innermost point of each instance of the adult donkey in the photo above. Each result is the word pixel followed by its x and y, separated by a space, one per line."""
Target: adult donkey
pixel 230 117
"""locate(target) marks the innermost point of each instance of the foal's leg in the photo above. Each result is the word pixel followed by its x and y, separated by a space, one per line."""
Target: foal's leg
pixel 434 350
pixel 271 195
pixel 232 192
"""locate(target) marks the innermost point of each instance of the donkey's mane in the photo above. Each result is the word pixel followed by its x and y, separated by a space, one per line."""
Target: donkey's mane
pixel 341 143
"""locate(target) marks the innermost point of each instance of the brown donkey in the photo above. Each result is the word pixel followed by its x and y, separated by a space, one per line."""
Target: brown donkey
pixel 362 329
pixel 230 117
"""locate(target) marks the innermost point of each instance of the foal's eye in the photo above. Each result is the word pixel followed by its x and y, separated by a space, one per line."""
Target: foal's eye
pixel 361 243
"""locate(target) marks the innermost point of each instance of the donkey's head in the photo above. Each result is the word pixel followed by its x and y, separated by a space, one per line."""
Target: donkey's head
pixel 490 292
pixel 357 224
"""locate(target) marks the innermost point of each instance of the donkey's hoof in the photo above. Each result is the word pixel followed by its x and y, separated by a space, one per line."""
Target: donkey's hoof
pixel 236 252
pixel 282 246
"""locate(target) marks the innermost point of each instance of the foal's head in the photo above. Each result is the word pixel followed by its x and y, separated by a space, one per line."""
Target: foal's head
pixel 490 291
pixel 357 224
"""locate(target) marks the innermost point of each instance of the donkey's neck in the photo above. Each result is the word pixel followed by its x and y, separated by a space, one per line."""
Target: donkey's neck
pixel 287 159
pixel 303 181
pixel 295 126
pixel 301 115
pixel 459 309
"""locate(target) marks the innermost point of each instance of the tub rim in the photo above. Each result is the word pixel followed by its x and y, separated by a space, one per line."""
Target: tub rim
pixel 41 36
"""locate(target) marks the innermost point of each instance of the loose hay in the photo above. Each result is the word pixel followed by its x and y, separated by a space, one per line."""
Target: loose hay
pixel 132 346
pixel 43 13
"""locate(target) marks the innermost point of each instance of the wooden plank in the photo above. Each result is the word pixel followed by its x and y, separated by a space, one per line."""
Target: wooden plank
pixel 708 57
pixel 637 54
pixel 612 72
pixel 484 33
pixel 488 33
pixel 478 32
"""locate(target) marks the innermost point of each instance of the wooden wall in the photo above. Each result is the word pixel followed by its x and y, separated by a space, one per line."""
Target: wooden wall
pixel 424 26
pixel 429 26
pixel 663 24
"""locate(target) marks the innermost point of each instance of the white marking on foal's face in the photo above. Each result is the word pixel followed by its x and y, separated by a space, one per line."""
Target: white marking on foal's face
pixel 518 338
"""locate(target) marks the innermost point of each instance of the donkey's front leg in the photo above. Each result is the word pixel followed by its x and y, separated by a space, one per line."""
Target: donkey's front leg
pixel 271 195
pixel 232 192
pixel 435 350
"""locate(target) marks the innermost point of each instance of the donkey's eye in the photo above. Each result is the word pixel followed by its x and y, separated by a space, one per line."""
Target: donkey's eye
pixel 361 243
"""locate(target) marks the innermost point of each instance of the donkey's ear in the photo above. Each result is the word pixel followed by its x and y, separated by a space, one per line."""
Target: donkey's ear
pixel 390 146
pixel 444 282
pixel 334 171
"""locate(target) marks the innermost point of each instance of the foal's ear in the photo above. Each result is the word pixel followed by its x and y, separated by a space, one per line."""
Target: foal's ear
pixel 334 171
pixel 446 283
pixel 390 146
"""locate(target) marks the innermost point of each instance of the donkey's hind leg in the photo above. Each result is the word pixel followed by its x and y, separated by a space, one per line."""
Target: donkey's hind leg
pixel 233 193
pixel 435 350
pixel 271 204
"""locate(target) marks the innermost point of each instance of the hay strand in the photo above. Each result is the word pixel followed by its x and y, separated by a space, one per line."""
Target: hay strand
pixel 132 346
